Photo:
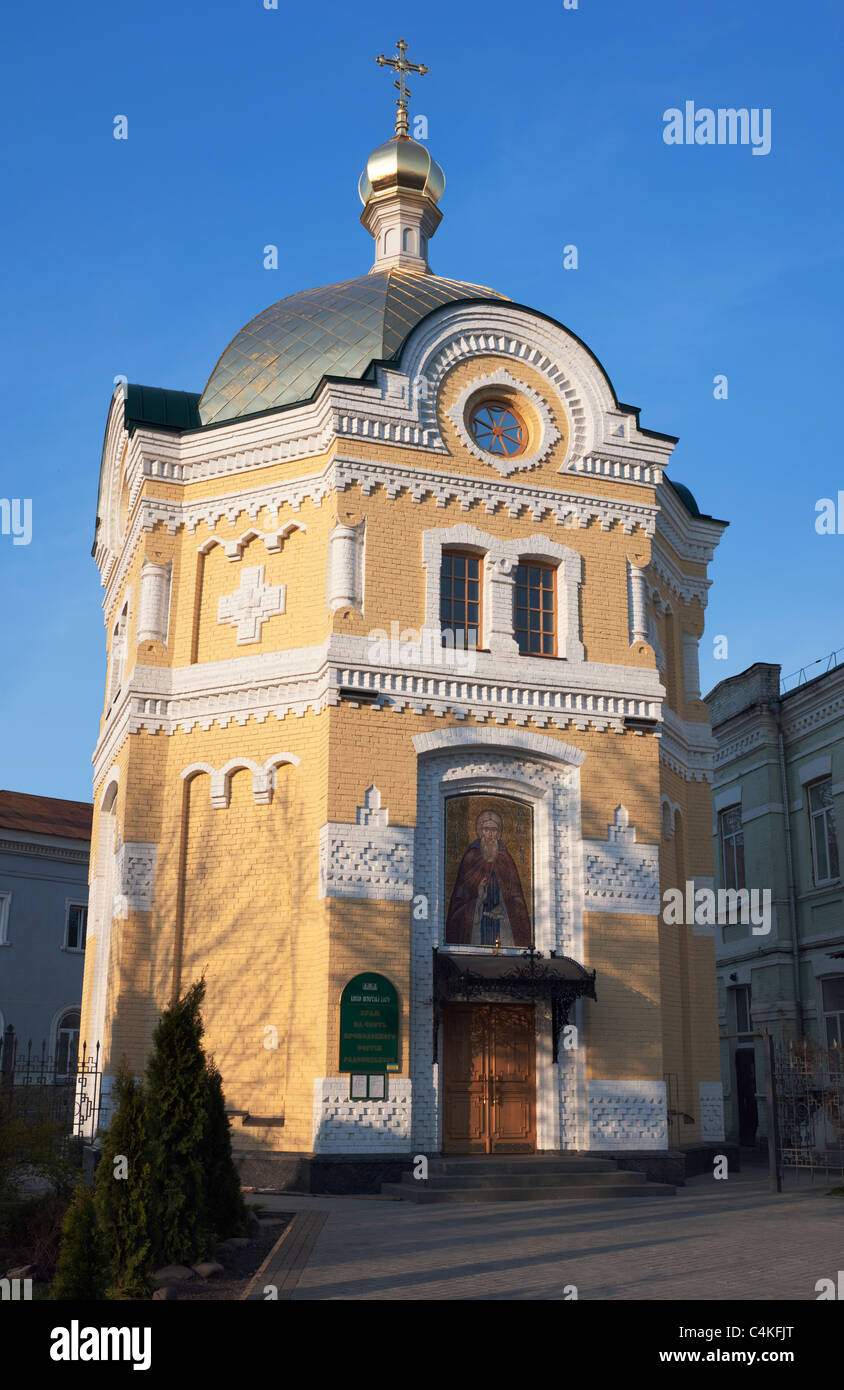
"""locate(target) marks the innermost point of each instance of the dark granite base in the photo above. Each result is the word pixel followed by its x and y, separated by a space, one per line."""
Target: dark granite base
pixel 658 1165
pixel 360 1174
pixel 315 1173
pixel 701 1157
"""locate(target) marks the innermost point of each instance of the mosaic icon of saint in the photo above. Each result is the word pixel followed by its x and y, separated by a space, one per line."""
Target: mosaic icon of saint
pixel 487 904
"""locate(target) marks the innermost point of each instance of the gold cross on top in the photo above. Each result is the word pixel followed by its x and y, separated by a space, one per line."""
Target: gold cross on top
pixel 402 66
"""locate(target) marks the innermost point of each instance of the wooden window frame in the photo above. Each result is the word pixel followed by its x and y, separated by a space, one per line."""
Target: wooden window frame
pixel 505 406
pixel 461 552
pixel 525 562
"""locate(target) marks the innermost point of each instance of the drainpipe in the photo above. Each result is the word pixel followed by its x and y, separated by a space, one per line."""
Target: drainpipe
pixel 776 708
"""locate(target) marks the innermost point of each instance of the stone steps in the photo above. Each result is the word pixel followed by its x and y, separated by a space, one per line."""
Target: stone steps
pixel 523 1178
pixel 443 1181
pixel 521 1163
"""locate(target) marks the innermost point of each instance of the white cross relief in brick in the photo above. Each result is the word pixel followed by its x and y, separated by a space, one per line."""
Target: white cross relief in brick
pixel 252 604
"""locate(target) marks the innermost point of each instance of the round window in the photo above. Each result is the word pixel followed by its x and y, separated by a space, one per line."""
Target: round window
pixel 497 428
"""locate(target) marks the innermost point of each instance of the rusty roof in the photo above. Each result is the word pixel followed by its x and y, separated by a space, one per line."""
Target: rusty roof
pixel 45 815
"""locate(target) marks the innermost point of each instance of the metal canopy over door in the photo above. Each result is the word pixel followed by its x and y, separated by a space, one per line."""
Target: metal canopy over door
pixel 489 1078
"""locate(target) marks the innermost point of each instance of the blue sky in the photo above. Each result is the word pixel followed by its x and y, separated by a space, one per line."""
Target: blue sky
pixel 250 126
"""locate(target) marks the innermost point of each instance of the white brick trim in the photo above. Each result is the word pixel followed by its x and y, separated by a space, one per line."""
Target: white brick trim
pixel 136 863
pixel 504 464
pixel 263 777
pixel 627 1115
pixel 344 1126
pixel 503 763
pixel 711 1110
pixel 619 874
pixel 499 559
pixel 512 740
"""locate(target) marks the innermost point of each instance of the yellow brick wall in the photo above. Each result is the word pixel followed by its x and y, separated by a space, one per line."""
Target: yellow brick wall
pixel 236 889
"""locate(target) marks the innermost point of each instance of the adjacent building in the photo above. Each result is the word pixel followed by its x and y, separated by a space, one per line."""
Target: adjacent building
pixel 778 808
pixel 402 738
pixel 45 846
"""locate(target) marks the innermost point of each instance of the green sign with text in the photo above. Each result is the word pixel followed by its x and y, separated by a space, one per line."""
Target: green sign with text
pixel 369 1025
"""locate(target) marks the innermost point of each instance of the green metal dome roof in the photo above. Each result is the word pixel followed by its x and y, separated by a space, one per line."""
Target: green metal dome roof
pixel 282 355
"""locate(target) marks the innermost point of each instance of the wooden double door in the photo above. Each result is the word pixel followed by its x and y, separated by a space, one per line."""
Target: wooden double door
pixel 489 1078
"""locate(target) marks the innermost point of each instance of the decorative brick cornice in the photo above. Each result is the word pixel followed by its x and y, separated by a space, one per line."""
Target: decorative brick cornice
pixel 36 851
pixel 687 587
pixel 559 695
pixel 688 747
pixel 514 497
pixel 569 509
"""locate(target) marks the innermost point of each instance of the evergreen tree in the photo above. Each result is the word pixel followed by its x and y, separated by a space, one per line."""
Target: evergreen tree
pixel 226 1210
pixel 176 1103
pixel 124 1190
pixel 82 1265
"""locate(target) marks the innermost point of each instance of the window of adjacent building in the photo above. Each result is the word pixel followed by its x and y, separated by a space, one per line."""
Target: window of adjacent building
pixel 5 904
pixel 822 821
pixel 76 926
pixel 732 847
pixel 743 1014
pixel 460 598
pixel 534 609
pixel 67 1042
pixel 832 996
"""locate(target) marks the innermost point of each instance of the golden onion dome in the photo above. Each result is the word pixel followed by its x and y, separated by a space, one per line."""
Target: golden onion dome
pixel 402 165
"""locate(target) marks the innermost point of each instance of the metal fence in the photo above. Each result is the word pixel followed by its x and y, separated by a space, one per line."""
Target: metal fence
pixel 40 1087
pixel 808 1108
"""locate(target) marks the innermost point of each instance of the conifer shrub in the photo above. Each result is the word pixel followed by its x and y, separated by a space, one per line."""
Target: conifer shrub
pixel 177 1107
pixel 81 1272
pixel 123 1190
pixel 225 1207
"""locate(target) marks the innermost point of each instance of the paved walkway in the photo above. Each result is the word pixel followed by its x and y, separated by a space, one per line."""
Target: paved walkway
pixel 724 1240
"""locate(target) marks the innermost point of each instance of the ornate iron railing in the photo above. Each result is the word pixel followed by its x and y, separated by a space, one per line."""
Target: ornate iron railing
pixel 41 1086
pixel 809 1100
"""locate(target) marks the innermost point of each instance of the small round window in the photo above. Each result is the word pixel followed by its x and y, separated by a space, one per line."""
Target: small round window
pixel 498 429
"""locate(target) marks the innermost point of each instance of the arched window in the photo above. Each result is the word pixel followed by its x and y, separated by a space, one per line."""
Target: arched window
pixel 535 608
pixel 67 1042
pixel 118 654
pixel 460 598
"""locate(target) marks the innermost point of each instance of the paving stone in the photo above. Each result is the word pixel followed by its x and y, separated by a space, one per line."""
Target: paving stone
pixel 725 1240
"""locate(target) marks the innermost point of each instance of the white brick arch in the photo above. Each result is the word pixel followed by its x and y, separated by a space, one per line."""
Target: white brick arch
pixel 263 777
pixel 110 535
pixel 513 741
pixel 459 332
pixel 544 772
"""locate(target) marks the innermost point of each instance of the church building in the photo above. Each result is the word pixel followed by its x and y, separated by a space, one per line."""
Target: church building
pixel 402 741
